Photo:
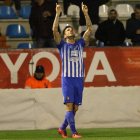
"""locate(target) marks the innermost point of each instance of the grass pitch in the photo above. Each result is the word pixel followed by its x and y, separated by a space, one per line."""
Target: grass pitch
pixel 88 134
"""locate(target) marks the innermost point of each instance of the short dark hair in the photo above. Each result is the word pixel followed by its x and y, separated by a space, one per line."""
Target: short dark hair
pixel 66 28
pixel 113 10
pixel 137 6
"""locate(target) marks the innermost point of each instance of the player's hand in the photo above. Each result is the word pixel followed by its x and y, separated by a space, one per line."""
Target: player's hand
pixel 58 9
pixel 84 8
pixel 47 13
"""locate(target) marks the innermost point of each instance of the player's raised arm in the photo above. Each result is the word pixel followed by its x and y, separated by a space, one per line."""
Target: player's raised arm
pixel 88 23
pixel 56 34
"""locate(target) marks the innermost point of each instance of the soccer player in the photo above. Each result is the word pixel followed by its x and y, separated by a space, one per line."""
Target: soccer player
pixel 71 53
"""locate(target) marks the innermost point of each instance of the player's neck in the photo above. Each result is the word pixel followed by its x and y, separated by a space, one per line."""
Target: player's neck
pixel 70 40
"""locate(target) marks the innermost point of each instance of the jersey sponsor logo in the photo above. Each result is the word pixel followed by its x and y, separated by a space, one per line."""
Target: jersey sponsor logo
pixel 74 54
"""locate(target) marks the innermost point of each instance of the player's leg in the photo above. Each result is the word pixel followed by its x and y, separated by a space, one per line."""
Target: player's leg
pixel 76 107
pixel 68 99
pixel 65 123
pixel 62 129
pixel 75 135
pixel 78 100
pixel 69 107
pixel 70 111
pixel 70 117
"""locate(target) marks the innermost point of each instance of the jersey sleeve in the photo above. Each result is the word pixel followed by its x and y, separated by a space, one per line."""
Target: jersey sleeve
pixel 82 42
pixel 60 45
pixel 28 84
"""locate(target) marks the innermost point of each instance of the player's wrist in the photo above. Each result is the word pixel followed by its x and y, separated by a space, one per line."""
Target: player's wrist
pixel 58 14
pixel 85 13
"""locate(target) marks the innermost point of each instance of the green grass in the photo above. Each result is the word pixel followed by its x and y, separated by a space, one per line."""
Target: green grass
pixel 88 134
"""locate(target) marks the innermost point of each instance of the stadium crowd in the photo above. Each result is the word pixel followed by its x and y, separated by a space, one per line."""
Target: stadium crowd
pixel 110 32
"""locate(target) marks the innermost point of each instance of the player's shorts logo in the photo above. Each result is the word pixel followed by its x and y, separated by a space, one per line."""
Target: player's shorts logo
pixel 67 98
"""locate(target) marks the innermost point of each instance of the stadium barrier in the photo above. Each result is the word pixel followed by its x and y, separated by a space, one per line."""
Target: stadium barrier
pixel 104 107
pixel 114 66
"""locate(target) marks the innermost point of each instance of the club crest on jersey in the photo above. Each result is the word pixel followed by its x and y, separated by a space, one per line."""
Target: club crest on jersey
pixel 74 47
pixel 67 98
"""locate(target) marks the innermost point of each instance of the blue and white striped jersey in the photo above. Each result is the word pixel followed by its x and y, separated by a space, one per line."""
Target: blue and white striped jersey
pixel 72 58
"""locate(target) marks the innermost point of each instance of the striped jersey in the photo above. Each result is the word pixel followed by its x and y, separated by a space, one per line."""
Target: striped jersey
pixel 72 58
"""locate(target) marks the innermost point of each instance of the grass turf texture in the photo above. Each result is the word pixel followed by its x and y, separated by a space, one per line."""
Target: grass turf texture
pixel 88 134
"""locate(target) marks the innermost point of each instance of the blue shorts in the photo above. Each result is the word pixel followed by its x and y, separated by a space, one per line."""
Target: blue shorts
pixel 72 89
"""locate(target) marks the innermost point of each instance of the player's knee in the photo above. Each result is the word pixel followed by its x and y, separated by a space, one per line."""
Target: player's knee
pixel 76 108
pixel 69 106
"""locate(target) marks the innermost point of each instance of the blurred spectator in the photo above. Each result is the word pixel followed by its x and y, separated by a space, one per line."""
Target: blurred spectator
pixel 38 80
pixel 111 31
pixel 0 32
pixel 41 21
pixel 17 5
pixel 66 4
pixel 93 11
pixel 32 1
pixel 133 27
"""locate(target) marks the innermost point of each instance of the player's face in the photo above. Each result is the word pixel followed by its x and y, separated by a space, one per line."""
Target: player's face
pixel 113 15
pixel 69 32
pixel 137 13
pixel 39 75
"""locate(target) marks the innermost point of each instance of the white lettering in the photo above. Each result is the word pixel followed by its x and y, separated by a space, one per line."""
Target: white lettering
pixel 13 68
pixel 84 54
pixel 52 58
pixel 100 56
